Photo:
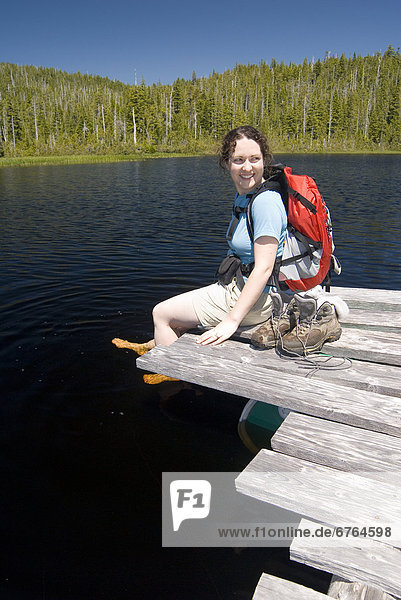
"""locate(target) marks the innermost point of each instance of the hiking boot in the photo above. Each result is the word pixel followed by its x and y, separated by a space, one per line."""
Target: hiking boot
pixel 280 323
pixel 315 327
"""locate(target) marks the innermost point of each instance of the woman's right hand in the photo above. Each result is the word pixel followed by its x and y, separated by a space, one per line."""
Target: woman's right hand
pixel 222 332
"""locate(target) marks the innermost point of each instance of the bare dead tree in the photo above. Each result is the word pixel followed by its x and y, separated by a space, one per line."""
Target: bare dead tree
pixel 104 125
pixel 35 122
pixel 170 107
pixel 134 122
pixel 13 130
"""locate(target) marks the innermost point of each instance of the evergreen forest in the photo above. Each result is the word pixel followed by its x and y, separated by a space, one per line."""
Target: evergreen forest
pixel 335 104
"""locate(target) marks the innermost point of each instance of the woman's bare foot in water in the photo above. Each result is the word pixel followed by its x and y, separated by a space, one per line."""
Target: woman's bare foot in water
pixel 155 378
pixel 149 378
pixel 136 347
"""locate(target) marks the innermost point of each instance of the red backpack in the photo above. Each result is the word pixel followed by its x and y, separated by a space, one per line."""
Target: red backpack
pixel 308 248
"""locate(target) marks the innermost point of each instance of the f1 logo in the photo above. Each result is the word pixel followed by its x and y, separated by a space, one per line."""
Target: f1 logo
pixel 190 499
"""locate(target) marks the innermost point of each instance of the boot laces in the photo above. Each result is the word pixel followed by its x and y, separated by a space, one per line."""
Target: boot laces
pixel 318 362
pixel 304 327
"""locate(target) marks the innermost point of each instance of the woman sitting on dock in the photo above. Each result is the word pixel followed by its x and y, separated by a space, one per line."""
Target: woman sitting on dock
pixel 224 307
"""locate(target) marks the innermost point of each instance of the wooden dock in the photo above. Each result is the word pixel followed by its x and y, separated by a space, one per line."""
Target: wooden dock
pixel 341 446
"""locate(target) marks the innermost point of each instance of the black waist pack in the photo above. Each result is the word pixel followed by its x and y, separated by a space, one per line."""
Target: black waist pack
pixel 231 267
pixel 228 268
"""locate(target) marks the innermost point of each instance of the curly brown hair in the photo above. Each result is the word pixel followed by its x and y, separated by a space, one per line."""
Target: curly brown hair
pixel 245 131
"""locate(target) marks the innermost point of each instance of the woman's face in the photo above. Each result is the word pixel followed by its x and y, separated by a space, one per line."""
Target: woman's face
pixel 246 165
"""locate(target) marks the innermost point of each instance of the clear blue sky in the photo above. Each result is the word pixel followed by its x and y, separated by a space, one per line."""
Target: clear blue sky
pixel 163 40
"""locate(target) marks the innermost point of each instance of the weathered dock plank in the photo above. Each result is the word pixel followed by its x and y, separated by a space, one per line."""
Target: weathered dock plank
pixel 316 397
pixel 370 454
pixel 382 379
pixel 363 344
pixel 274 588
pixel 321 493
pixel 365 319
pixel 356 297
pixel 366 561
pixel 341 589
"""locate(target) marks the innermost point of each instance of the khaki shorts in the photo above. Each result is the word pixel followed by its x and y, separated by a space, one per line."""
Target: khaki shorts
pixel 213 302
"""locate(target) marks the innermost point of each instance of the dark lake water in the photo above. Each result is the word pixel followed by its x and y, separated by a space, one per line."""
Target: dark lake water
pixel 86 251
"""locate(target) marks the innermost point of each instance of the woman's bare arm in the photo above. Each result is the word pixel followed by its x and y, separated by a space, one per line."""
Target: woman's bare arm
pixel 265 251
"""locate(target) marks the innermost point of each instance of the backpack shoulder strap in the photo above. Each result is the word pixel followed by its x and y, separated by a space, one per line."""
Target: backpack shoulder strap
pixel 277 182
pixel 236 212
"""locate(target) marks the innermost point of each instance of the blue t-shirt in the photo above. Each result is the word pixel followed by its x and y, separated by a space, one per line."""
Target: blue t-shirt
pixel 269 218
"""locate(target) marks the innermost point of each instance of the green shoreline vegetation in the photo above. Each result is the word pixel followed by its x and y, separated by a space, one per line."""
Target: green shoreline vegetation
pixel 81 159
pixel 334 105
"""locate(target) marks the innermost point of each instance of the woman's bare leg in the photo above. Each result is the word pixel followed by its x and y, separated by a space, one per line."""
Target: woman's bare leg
pixel 173 317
